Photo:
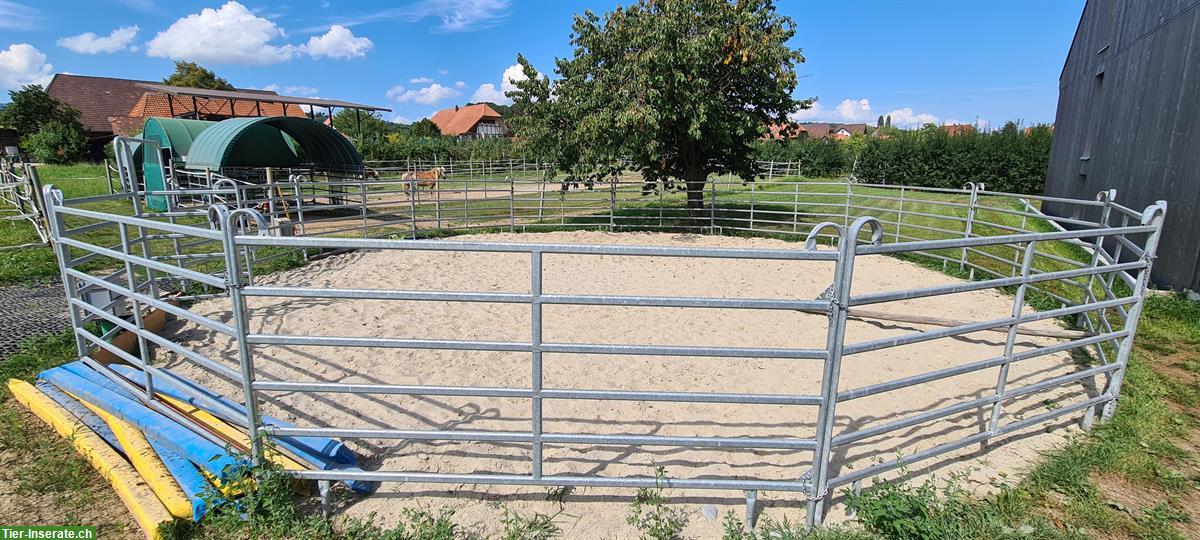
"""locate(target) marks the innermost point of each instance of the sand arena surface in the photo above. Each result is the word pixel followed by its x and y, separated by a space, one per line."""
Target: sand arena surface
pixel 597 512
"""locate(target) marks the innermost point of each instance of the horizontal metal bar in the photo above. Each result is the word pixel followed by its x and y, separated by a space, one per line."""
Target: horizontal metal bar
pixel 853 436
pixel 552 438
pixel 896 384
pixel 140 222
pixel 559 393
pixel 197 358
pixel 154 302
pixel 885 249
pixel 515 247
pixel 967 286
pixel 512 346
pixel 148 263
pixel 918 337
pixel 554 480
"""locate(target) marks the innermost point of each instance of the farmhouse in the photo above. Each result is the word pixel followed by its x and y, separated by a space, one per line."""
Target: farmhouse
pixel 958 129
pixel 472 121
pixel 1127 119
pixel 845 131
pixel 814 130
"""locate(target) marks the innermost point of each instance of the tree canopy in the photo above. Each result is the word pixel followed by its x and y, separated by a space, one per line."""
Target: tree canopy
pixel 32 107
pixel 49 129
pixel 680 87
pixel 424 128
pixel 193 75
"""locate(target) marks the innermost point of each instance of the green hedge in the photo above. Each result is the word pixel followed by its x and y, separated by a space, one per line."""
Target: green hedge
pixel 1006 160
pixel 396 147
pixel 816 157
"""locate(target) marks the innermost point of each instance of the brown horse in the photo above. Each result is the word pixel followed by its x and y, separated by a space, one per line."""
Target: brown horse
pixel 427 179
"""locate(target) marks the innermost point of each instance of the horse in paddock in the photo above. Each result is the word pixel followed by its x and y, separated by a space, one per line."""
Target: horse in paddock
pixel 428 179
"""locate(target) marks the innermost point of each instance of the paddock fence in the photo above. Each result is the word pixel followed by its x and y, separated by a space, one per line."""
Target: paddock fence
pixel 220 233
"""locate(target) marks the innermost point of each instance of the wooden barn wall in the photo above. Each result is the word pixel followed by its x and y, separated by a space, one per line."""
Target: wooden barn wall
pixel 1138 121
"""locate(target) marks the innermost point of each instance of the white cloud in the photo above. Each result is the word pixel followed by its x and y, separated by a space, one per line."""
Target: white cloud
pixel 443 72
pixel 420 80
pixel 338 42
pixel 401 119
pixel 906 118
pixel 291 90
pixel 22 64
pixel 460 84
pixel 428 95
pixel 454 15
pixel 857 111
pixel 488 91
pixel 19 16
pixel 230 34
pixel 89 43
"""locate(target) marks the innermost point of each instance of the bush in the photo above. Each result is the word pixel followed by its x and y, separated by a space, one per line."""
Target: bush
pixel 1006 160
pixel 399 147
pixel 816 157
pixel 56 142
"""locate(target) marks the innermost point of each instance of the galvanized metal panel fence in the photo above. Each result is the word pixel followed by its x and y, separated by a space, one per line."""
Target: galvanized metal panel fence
pixel 217 230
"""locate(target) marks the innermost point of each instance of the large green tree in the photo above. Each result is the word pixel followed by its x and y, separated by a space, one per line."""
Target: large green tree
pixel 424 128
pixel 32 108
pixel 680 87
pixel 49 129
pixel 193 75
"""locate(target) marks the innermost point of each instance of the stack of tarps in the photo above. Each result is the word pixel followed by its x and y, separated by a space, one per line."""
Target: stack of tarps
pixel 164 467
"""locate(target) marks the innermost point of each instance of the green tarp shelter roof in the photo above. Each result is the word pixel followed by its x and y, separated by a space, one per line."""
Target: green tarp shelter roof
pixel 268 142
pixel 174 133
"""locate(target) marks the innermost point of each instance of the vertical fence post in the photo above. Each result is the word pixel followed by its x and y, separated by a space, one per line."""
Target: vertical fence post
pixel 839 297
pixel 542 198
pixel 53 197
pixel 136 307
pixel 900 215
pixel 108 177
pixel 1018 303
pixel 753 188
pixel 712 207
pixel 512 210
pixel 795 205
pixel 437 203
pixel 1152 216
pixel 237 306
pixel 612 204
pixel 1088 296
pixel 412 205
pixel 535 292
pixel 967 231
pixel 849 195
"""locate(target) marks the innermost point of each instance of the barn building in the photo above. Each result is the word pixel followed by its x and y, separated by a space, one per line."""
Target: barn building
pixel 1129 118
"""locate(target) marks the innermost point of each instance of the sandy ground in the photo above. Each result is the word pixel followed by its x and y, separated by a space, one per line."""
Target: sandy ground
pixel 601 513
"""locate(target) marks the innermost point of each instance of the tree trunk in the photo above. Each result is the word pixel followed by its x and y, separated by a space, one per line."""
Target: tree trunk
pixel 694 179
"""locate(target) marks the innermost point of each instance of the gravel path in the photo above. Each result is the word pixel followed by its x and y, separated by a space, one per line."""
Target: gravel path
pixel 29 310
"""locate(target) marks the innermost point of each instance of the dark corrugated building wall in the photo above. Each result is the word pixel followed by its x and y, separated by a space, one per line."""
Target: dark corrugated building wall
pixel 1129 118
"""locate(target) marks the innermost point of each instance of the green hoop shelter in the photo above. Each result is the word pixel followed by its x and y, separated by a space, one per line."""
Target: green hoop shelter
pixel 275 141
pixel 175 134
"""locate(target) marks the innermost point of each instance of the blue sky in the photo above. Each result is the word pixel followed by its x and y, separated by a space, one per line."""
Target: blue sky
pixel 936 61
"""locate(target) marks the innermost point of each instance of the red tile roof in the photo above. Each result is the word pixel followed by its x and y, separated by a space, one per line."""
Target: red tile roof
pixel 157 104
pixel 958 129
pixel 111 105
pixel 460 120
pixel 97 98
